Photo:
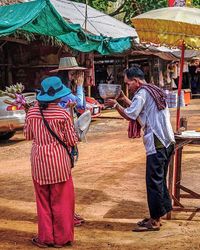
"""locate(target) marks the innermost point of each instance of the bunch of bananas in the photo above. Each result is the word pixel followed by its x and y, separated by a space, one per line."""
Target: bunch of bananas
pixel 15 89
pixel 12 90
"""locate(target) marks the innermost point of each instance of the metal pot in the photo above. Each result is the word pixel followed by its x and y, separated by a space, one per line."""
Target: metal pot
pixel 109 91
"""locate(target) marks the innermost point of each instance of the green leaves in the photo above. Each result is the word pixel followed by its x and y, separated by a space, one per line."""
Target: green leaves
pixel 196 3
pixel 101 5
pixel 130 8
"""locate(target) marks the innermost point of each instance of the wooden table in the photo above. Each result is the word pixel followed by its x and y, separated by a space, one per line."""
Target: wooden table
pixel 176 189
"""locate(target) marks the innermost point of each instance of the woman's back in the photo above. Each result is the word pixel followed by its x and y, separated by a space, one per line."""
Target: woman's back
pixel 49 159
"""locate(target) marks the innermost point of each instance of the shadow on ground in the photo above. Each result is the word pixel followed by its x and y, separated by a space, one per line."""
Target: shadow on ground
pixel 128 210
pixel 16 189
pixel 90 196
pixel 17 215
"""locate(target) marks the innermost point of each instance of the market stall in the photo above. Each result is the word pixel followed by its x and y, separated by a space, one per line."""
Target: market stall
pixel 178 190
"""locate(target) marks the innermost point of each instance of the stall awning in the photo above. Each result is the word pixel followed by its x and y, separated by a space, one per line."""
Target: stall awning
pixel 103 45
pixel 40 17
pixel 37 17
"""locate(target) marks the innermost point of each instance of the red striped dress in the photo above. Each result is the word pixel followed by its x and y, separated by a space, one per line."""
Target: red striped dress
pixel 49 159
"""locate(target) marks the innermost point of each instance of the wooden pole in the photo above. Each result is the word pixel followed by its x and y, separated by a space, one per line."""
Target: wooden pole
pixel 177 167
pixel 86 17
pixel 86 13
pixel 126 65
pixel 180 87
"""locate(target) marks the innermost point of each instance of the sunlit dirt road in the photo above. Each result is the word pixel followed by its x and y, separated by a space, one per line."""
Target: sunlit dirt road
pixel 110 192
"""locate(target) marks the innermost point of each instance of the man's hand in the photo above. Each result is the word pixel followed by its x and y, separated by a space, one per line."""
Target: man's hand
pixel 122 96
pixel 110 102
pixel 79 78
pixel 71 105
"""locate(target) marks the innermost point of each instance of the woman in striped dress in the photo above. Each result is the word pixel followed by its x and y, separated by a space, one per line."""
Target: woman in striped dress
pixel 72 76
pixel 51 165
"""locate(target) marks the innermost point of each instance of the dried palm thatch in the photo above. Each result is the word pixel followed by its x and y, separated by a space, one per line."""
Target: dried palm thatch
pixel 8 2
pixel 30 37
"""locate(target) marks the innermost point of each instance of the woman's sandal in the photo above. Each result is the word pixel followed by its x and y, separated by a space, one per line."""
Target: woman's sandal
pixel 35 241
pixel 77 223
pixel 79 218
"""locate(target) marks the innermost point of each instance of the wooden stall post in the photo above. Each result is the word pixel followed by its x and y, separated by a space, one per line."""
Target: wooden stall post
pixel 126 65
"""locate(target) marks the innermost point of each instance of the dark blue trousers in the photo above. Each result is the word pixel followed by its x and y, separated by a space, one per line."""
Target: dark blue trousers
pixel 158 197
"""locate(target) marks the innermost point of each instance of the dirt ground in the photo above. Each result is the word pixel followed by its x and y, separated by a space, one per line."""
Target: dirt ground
pixel 110 192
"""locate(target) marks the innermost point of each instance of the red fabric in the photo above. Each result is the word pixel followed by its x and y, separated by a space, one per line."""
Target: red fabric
pixel 170 3
pixel 49 159
pixel 134 129
pixel 55 210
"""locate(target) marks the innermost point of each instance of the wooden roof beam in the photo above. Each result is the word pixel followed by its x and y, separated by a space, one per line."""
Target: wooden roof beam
pixel 14 40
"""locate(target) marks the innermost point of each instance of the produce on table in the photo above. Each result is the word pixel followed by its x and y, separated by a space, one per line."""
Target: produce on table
pixel 15 93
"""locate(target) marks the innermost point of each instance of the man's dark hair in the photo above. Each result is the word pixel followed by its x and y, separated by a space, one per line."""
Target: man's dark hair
pixel 134 72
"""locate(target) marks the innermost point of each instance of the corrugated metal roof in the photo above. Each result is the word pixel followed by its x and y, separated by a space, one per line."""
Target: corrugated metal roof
pixel 97 22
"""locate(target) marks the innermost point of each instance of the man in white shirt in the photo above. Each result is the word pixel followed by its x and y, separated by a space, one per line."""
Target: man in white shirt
pixel 148 110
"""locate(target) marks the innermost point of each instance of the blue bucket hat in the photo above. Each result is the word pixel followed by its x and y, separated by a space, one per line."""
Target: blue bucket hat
pixel 52 88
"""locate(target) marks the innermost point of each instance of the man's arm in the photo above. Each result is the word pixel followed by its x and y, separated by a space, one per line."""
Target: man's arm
pixel 132 112
pixel 120 110
pixel 126 101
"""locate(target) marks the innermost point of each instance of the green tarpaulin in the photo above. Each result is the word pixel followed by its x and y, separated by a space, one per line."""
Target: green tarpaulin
pixel 103 45
pixel 40 17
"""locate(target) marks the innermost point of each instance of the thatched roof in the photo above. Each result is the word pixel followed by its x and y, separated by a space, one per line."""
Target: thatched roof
pixel 7 2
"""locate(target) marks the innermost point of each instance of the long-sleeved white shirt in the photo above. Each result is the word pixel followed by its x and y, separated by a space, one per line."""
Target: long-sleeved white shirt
pixel 153 121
